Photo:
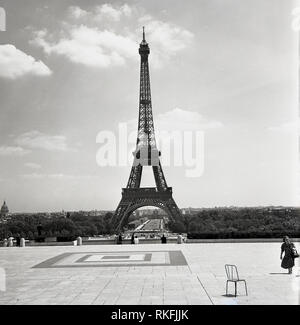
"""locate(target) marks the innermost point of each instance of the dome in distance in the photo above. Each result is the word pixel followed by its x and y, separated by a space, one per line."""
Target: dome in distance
pixel 4 209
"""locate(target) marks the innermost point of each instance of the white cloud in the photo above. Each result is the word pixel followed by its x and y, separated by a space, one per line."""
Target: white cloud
pixel 180 120
pixel 76 12
pixel 13 151
pixel 90 46
pixel 287 127
pixel 33 176
pixel 15 63
pixel 33 165
pixel 107 11
pixel 166 39
pixel 38 140
pixel 127 10
pixel 184 120
pixel 115 40
pixel 58 176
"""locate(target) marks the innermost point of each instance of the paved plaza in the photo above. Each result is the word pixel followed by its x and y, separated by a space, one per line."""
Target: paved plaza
pixel 145 274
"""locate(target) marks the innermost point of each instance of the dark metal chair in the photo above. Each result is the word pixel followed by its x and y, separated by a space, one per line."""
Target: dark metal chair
pixel 233 276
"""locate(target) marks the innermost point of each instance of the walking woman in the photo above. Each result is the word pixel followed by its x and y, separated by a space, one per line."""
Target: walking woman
pixel 288 259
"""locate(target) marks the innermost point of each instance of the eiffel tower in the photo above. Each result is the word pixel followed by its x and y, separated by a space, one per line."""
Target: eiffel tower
pixel 146 154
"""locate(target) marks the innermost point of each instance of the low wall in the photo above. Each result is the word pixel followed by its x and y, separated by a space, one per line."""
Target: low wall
pixel 126 241
pixel 33 243
pixel 157 241
pixel 240 240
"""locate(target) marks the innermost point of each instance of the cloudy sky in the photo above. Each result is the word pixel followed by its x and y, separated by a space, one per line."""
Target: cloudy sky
pixel 69 70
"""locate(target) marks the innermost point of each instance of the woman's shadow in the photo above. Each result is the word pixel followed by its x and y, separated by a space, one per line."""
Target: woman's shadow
pixel 280 273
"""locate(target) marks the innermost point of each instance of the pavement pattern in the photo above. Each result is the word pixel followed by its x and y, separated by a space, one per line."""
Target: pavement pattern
pixel 146 274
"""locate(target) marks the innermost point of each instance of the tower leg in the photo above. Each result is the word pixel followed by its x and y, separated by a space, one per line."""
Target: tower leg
pixel 120 214
pixel 135 177
pixel 173 209
pixel 159 177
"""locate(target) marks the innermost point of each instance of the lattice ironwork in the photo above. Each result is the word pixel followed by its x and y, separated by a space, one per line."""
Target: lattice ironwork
pixel 146 154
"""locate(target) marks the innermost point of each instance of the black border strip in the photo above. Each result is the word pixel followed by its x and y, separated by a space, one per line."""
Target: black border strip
pixel 84 258
pixel 176 259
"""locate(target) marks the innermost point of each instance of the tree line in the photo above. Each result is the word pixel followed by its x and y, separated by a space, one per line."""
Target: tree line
pixel 207 223
pixel 73 225
pixel 240 223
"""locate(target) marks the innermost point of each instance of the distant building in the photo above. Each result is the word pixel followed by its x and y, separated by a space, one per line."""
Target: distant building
pixel 4 210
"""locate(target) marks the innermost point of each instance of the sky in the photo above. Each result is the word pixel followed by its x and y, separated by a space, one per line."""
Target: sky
pixel 223 72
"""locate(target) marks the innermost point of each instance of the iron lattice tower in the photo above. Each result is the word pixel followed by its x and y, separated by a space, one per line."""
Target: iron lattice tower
pixel 146 154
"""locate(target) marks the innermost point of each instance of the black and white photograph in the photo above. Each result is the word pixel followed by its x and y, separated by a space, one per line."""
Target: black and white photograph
pixel 149 154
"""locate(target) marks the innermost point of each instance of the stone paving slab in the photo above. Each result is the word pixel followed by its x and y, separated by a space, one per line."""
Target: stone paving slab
pixel 200 281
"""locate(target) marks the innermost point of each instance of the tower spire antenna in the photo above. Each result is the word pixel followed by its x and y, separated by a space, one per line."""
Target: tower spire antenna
pixel 144 39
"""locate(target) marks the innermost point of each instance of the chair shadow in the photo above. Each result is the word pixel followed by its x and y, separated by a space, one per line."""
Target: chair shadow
pixel 229 296
pixel 233 296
